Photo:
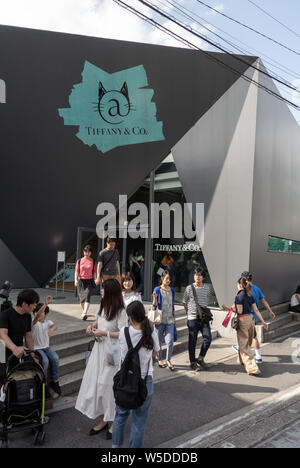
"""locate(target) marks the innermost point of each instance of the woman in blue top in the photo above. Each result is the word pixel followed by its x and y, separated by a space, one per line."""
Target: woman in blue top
pixel 164 298
pixel 244 303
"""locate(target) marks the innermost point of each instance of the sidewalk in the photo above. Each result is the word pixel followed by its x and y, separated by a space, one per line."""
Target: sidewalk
pixel 185 403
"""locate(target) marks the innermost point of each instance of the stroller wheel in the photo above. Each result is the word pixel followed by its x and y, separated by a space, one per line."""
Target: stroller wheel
pixel 39 438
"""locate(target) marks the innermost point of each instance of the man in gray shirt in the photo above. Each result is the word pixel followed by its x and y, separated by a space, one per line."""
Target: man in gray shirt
pixel 202 292
pixel 109 262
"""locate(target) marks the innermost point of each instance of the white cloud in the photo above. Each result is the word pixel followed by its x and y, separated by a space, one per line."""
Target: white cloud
pixel 100 18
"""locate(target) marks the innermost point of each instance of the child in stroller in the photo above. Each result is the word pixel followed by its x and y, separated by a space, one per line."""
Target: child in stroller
pixel 24 399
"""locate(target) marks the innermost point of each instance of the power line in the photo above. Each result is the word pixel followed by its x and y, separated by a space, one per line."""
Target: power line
pixel 203 52
pixel 236 57
pixel 174 5
pixel 275 19
pixel 249 27
pixel 282 68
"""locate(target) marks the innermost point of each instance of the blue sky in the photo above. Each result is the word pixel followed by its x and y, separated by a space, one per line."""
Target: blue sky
pixel 103 18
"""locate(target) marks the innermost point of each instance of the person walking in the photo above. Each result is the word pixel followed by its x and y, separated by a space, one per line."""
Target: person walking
pixel 130 294
pixel 164 300
pixel 258 296
pixel 140 331
pixel 244 302
pixel 85 274
pixel 195 301
pixel 96 396
pixel 109 262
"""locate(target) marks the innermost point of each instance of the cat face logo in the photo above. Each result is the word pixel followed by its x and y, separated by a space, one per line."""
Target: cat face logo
pixel 113 109
pixel 113 106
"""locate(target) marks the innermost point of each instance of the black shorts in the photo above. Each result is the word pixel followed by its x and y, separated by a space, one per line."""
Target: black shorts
pixel 85 289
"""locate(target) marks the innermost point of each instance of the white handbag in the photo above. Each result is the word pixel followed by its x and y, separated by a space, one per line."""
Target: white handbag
pixel 154 316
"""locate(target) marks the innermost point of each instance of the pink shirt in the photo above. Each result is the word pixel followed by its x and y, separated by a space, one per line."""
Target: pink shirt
pixel 86 268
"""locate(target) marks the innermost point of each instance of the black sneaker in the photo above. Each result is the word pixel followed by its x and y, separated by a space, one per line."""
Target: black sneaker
pixel 55 387
pixel 195 367
pixel 202 363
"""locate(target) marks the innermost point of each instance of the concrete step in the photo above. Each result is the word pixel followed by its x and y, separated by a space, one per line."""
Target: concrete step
pixel 70 364
pixel 72 367
pixel 286 330
pixel 71 348
pixel 70 383
pixel 295 316
pixel 67 335
pixel 278 322
pixel 277 309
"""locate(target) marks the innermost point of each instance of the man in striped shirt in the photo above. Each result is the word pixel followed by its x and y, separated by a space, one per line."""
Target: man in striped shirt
pixel 194 323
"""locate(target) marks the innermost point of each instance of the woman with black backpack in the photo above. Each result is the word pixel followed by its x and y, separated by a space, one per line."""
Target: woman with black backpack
pixel 143 338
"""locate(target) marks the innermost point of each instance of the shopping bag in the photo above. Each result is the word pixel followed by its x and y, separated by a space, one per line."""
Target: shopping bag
pixel 227 318
pixel 112 351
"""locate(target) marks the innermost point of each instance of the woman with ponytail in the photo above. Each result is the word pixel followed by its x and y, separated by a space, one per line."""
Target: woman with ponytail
pixel 139 330
pixel 244 302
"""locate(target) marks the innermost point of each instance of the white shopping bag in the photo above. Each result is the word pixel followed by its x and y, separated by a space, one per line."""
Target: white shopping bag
pixel 112 351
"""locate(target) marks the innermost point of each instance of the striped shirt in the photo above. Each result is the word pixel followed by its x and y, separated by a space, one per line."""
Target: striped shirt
pixel 202 296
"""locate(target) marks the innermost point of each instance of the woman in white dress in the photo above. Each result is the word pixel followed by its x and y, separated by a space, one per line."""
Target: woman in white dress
pixel 130 294
pixel 96 396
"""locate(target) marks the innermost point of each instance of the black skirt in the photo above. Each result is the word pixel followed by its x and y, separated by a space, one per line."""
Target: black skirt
pixel 85 289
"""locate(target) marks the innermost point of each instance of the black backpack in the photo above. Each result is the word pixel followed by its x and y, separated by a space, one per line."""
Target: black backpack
pixel 130 390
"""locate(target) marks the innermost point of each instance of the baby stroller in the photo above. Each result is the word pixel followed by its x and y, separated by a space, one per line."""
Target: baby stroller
pixel 24 399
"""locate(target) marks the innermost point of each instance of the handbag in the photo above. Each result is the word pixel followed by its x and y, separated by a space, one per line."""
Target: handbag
pixel 203 313
pixel 235 323
pixel 154 316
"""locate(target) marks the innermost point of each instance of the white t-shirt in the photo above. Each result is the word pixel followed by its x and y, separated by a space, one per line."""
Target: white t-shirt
pixel 144 354
pixel 131 297
pixel 40 334
pixel 294 301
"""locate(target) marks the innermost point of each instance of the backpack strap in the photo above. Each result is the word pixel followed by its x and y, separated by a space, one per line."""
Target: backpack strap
pixel 129 343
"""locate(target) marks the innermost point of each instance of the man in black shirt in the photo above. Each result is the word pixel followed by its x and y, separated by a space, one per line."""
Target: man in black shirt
pixel 15 324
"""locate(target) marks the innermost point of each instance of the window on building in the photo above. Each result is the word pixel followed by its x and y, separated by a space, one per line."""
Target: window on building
pixel 279 244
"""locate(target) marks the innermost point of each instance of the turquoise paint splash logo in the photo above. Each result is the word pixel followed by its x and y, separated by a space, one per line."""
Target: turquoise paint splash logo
pixel 114 109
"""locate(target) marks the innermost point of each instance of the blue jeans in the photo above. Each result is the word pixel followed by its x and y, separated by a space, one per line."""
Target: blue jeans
pixel 194 327
pixel 168 331
pixel 139 419
pixel 50 356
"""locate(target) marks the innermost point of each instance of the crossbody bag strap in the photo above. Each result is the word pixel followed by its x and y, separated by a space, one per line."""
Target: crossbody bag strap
pixel 198 307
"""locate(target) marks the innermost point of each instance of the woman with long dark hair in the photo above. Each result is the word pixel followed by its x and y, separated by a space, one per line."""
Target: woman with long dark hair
pixel 140 329
pixel 164 299
pixel 244 302
pixel 96 396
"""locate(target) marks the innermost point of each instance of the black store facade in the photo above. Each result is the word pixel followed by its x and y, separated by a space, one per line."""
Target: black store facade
pixel 84 120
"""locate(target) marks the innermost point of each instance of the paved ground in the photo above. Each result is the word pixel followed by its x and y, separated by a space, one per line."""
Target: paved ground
pixel 186 402
pixel 187 406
